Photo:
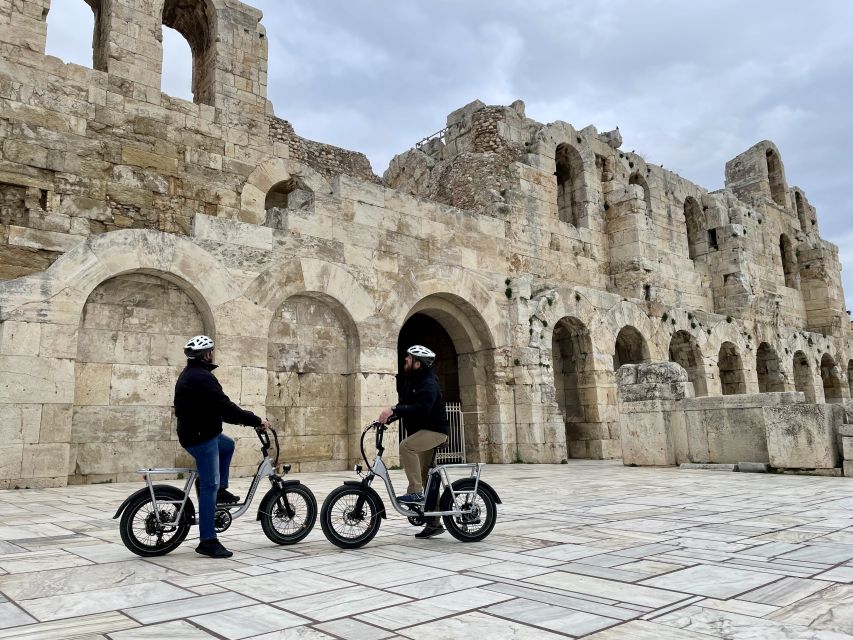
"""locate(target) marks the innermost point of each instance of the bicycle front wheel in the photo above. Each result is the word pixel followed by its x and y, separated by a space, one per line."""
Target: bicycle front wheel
pixel 347 524
pixel 288 516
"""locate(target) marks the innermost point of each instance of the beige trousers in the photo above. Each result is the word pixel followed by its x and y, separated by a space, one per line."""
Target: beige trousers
pixel 416 454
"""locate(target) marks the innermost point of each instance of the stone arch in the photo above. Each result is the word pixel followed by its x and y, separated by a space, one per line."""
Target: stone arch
pixel 694 219
pixel 129 355
pixel 803 376
pixel 624 314
pixel 570 183
pixel 100 26
pixel 474 346
pixel 768 368
pixel 638 180
pixel 195 20
pixel 630 347
pixel 775 176
pixel 730 365
pixel 62 290
pixel 312 365
pixel 789 262
pixel 830 373
pixel 281 176
pixel 684 350
pixel 572 363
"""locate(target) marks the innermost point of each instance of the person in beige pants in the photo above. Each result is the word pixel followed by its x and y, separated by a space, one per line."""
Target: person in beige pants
pixel 422 408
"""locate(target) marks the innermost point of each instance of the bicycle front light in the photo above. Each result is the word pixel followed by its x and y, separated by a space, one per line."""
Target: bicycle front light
pixel 357 469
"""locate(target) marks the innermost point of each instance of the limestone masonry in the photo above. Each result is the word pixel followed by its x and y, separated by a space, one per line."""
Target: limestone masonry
pixel 536 259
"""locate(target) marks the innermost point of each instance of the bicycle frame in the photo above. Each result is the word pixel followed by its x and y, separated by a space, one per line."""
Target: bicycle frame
pixel 437 474
pixel 265 469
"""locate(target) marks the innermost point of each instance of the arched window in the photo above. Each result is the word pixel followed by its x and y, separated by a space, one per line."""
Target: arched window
pixel 176 79
pixel 831 375
pixel 287 195
pixel 770 376
pixel 789 262
pixel 732 378
pixel 801 211
pixel 66 21
pixel 684 351
pixel 640 181
pixel 697 243
pixel 850 377
pixel 776 176
pixel 631 348
pixel 803 378
pixel 194 20
pixel 569 175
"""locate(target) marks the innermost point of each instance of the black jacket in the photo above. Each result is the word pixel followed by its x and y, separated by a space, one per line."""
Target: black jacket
pixel 421 402
pixel 201 406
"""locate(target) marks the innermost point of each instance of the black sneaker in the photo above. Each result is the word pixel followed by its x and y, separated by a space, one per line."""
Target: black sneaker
pixel 213 548
pixel 430 531
pixel 223 496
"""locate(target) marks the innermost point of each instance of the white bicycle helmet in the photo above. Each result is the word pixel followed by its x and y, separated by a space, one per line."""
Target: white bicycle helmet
pixel 421 353
pixel 197 346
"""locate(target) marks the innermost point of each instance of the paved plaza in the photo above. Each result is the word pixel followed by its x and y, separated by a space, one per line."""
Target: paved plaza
pixel 589 549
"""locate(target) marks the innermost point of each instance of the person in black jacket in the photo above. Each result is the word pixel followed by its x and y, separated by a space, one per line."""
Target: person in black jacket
pixel 422 408
pixel 201 407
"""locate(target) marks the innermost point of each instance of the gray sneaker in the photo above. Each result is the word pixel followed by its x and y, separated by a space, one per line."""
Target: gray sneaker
pixel 412 498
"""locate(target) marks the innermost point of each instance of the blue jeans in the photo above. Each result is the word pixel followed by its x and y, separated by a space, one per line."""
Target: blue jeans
pixel 212 459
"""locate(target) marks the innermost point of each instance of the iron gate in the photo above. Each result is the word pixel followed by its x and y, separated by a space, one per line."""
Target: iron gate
pixel 452 451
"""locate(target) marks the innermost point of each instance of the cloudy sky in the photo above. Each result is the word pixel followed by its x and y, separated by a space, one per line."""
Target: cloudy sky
pixel 690 84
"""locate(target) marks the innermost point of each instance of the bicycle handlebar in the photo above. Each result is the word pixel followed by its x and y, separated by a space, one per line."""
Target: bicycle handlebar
pixel 263 436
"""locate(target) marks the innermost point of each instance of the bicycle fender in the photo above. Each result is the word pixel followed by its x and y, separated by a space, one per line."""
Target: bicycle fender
pixel 270 495
pixel 128 500
pixel 469 482
pixel 369 491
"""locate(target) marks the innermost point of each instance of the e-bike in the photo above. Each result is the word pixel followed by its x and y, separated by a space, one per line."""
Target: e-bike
pixel 156 519
pixel 351 514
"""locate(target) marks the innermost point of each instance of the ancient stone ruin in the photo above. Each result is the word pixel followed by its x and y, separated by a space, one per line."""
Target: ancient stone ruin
pixel 536 259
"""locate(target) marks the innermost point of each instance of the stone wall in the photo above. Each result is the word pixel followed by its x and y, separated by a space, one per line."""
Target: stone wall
pixel 547 255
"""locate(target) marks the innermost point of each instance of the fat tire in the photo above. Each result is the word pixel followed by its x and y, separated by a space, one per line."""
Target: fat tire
pixel 268 517
pixel 455 525
pixel 327 517
pixel 139 547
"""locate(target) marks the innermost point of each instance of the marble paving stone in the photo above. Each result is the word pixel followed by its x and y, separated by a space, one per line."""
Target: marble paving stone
pixel 13 616
pixel 101 553
pixel 206 589
pixel 101 600
pixel 838 574
pixel 176 630
pixel 340 603
pixel 733 626
pixel 420 611
pixel 350 629
pixel 785 591
pixel 382 574
pixel 236 624
pixel 610 573
pixel 635 594
pixel 437 586
pixel 644 630
pixel 550 617
pixel 73 628
pixel 41 562
pixel 456 561
pixel 566 602
pixel 566 552
pixel 515 570
pixel 295 583
pixel 294 633
pixel 738 606
pixel 187 607
pixel 830 609
pixel 651 567
pixel 476 625
pixel 828 553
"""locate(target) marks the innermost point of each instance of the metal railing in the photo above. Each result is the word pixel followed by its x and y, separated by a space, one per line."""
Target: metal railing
pixel 453 450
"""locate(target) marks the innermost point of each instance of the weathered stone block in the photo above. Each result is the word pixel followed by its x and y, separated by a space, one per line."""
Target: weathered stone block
pixel 92 383
pixel 801 436
pixel 20 338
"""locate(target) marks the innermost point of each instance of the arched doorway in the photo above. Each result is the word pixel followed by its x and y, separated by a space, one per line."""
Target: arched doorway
pixel 571 348
pixel 803 378
pixel 631 348
pixel 831 375
pixel 770 376
pixel 732 379
pixel 683 350
pixel 129 355
pixel 452 328
pixel 311 357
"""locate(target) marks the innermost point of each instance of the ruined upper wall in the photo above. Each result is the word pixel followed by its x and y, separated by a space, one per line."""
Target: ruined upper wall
pixel 751 248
